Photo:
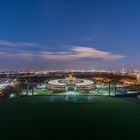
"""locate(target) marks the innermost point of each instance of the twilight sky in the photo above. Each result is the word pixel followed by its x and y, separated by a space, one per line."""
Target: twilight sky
pixel 69 34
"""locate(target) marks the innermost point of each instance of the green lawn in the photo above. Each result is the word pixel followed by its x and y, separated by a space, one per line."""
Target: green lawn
pixel 103 91
pixel 41 91
pixel 108 118
pixel 99 91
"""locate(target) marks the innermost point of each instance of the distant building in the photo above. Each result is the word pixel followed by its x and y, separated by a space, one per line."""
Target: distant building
pixel 138 76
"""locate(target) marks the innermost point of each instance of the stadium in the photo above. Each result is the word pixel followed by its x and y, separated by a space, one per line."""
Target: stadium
pixel 70 84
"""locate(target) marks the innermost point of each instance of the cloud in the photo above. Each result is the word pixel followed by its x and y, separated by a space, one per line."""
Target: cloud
pixel 95 53
pixel 8 43
pixel 29 44
pixel 4 55
pixel 77 52
pixel 17 44
pixel 76 57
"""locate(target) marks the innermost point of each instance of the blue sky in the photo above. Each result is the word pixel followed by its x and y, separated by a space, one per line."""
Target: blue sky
pixel 69 34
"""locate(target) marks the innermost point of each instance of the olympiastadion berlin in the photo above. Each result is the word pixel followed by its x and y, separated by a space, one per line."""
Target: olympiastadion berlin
pixel 70 84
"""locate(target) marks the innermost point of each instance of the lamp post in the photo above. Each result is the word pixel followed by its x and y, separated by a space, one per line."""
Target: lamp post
pixel 109 88
pixel 115 88
pixel 27 89
pixel 32 89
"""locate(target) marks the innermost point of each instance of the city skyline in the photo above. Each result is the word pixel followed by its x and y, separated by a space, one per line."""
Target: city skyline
pixel 76 34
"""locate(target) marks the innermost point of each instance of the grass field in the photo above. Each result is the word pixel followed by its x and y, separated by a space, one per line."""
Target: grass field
pixel 99 91
pixel 108 118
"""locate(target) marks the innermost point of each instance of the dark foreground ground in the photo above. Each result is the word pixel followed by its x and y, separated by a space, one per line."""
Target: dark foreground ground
pixel 106 118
